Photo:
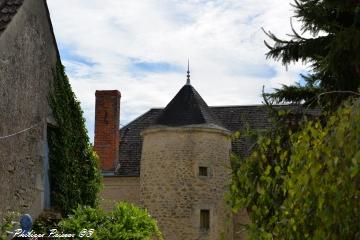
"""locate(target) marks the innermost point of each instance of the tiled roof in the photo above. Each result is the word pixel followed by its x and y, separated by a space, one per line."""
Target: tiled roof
pixel 187 108
pixel 233 118
pixel 131 143
pixel 8 9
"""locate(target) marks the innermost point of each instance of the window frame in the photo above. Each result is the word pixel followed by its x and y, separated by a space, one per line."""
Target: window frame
pixel 203 169
pixel 204 220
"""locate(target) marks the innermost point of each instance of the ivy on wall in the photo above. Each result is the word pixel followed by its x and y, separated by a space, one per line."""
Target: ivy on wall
pixel 74 171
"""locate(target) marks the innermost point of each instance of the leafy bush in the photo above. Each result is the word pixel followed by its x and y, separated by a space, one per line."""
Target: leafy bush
pixel 8 224
pixel 46 221
pixel 304 184
pixel 125 222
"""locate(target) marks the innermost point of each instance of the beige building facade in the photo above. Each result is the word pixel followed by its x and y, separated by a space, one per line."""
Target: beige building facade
pixel 28 56
pixel 184 171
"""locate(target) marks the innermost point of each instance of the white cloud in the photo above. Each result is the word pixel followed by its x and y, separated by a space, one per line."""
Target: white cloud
pixel 223 39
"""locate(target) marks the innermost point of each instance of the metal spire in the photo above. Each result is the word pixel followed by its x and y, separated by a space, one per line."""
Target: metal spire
pixel 188 75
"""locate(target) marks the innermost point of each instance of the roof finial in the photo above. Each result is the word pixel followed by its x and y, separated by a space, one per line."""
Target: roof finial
pixel 188 75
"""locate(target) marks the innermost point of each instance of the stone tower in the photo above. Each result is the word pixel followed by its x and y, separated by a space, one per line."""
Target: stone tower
pixel 185 170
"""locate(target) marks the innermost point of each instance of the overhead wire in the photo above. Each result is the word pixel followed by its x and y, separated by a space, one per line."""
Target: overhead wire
pixel 19 132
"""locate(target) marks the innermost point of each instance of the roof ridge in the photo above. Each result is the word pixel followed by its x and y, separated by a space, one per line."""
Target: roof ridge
pixel 137 118
pixel 253 105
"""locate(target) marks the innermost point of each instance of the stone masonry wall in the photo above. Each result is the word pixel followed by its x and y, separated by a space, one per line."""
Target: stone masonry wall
pixel 120 189
pixel 170 186
pixel 27 57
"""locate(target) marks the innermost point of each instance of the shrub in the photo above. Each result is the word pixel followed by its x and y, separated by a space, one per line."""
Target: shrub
pixel 124 222
pixel 8 224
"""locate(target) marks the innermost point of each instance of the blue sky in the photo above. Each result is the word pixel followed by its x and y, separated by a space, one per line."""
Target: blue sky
pixel 141 48
pixel 141 67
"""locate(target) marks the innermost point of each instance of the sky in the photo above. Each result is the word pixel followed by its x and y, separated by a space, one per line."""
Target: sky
pixel 141 48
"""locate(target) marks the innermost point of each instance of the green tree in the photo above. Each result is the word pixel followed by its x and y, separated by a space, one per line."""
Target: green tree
pixel 257 179
pixel 124 222
pixel 323 181
pixel 302 179
pixel 333 51
pixel 303 184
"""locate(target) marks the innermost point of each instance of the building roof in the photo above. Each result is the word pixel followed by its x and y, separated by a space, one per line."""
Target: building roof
pixel 233 118
pixel 187 108
pixel 8 9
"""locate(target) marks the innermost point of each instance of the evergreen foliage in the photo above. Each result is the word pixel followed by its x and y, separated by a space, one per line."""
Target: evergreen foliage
pixel 125 222
pixel 302 180
pixel 74 172
pixel 333 51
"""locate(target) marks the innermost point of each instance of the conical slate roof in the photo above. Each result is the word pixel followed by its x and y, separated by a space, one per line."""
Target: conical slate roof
pixel 187 108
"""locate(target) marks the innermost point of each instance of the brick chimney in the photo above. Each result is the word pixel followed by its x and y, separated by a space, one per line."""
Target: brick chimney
pixel 107 115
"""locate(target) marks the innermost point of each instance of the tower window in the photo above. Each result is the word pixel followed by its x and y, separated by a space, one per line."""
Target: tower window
pixel 204 219
pixel 203 171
